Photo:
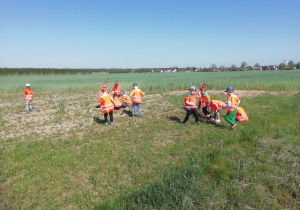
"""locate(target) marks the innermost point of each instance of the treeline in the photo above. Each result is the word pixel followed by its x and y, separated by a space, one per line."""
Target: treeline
pixel 113 71
pixel 41 71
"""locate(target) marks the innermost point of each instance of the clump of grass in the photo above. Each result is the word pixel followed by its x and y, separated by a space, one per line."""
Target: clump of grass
pixel 61 105
pixel 50 95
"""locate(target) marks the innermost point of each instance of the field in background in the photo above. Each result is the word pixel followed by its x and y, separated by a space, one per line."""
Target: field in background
pixel 62 156
pixel 254 80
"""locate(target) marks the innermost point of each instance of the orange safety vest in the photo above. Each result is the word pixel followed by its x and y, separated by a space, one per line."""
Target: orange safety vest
pixel 217 105
pixel 126 98
pixel 118 102
pixel 28 95
pixel 190 100
pixel 202 99
pixel 137 96
pixel 241 115
pixel 117 90
pixel 234 101
pixel 106 103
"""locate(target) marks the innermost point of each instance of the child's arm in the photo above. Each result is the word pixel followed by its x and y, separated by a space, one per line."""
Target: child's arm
pixel 131 93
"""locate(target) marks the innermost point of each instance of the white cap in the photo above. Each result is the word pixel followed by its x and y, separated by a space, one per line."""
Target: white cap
pixel 27 85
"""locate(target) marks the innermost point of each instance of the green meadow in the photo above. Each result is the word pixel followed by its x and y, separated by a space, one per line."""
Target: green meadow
pixel 62 156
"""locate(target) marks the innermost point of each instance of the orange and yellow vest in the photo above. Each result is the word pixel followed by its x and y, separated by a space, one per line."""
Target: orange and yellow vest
pixel 190 100
pixel 202 99
pixel 106 103
pixel 241 114
pixel 28 95
pixel 117 90
pixel 118 102
pixel 217 105
pixel 126 98
pixel 137 96
pixel 234 101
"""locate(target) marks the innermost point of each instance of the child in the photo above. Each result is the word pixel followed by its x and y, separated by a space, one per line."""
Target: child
pixel 216 106
pixel 117 89
pixel 28 98
pixel 232 104
pixel 117 102
pixel 125 99
pixel 241 115
pixel 107 106
pixel 105 83
pixel 190 105
pixel 204 97
pixel 137 95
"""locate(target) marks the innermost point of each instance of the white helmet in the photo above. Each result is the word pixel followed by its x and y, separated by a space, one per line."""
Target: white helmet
pixel 27 85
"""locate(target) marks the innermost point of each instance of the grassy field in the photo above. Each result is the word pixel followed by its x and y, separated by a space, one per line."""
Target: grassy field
pixel 254 80
pixel 62 156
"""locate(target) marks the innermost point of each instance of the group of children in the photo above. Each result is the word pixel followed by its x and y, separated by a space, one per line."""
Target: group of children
pixel 233 110
pixel 119 99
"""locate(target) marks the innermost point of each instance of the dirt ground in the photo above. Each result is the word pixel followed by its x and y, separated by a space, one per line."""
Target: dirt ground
pixel 79 112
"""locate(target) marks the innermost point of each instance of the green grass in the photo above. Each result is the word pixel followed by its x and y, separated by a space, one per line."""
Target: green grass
pixel 153 82
pixel 157 163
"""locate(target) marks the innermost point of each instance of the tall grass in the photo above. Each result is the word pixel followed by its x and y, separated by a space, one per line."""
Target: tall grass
pixel 254 80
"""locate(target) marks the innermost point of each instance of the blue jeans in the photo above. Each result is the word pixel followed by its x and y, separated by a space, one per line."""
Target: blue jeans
pixel 138 107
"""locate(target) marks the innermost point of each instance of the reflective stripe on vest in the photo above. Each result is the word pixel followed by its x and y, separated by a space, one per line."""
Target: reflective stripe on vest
pixel 234 101
pixel 106 103
pixel 118 102
pixel 28 95
pixel 127 99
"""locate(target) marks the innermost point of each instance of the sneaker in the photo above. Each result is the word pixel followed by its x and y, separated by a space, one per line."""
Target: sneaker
pixel 233 125
pixel 217 121
pixel 27 110
pixel 112 123
pixel 106 123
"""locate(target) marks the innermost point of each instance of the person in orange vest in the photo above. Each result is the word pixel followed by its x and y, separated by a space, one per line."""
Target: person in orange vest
pixel 191 106
pixel 125 99
pixel 117 89
pixel 28 98
pixel 137 96
pixel 107 106
pixel 232 104
pixel 105 83
pixel 117 102
pixel 203 96
pixel 216 106
pixel 241 115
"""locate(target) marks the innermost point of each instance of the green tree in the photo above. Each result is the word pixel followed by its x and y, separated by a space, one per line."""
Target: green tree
pixel 244 64
pixel 281 66
pixel 291 64
pixel 298 65
pixel 257 65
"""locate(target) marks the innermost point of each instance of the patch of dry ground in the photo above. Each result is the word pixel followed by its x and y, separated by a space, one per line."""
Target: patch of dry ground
pixel 80 113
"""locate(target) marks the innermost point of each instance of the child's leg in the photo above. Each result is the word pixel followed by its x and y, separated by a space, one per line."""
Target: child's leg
pixel 132 108
pixel 230 117
pixel 216 116
pixel 111 116
pixel 105 117
pixel 205 111
pixel 139 109
pixel 196 115
pixel 188 113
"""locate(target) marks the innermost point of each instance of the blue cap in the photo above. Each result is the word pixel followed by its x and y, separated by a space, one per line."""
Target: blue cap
pixel 135 84
pixel 192 88
pixel 122 91
pixel 229 89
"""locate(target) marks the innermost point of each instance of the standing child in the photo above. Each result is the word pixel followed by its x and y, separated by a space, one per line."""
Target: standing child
pixel 105 83
pixel 117 89
pixel 216 106
pixel 125 99
pixel 107 106
pixel 137 95
pixel 204 97
pixel 232 104
pixel 28 98
pixel 241 115
pixel 190 106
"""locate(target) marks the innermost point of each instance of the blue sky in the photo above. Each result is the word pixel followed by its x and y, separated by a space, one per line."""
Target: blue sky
pixel 147 33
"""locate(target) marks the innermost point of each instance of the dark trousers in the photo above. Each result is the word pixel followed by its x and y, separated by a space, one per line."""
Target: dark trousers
pixel 189 112
pixel 206 110
pixel 111 116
